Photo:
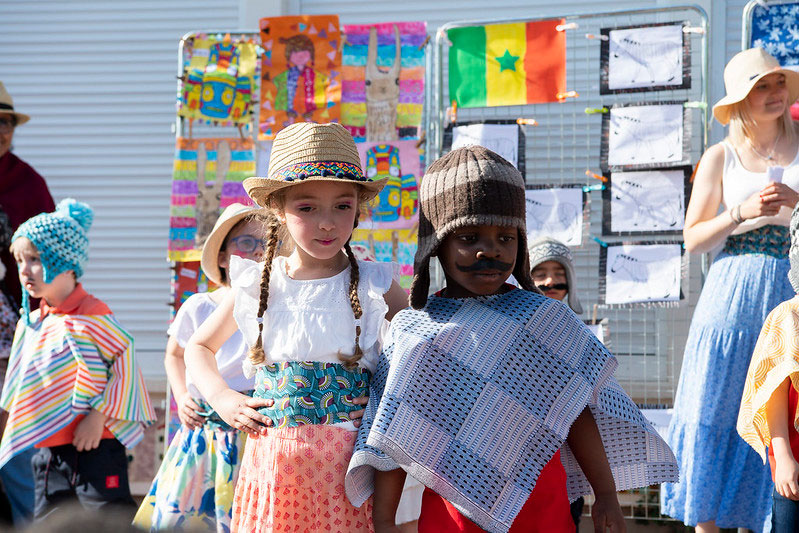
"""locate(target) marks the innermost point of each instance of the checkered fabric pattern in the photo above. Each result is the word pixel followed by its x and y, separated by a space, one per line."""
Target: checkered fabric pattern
pixel 473 397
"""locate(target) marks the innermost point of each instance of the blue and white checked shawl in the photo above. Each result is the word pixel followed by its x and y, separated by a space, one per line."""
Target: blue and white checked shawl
pixel 473 397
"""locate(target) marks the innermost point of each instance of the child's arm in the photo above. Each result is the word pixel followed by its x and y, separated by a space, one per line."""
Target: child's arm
pixel 388 491
pixel 396 298
pixel 586 445
pixel 238 410
pixel 175 367
pixel 777 416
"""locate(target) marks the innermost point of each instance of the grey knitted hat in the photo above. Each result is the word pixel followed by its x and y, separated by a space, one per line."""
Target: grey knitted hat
pixel 793 254
pixel 548 249
pixel 470 186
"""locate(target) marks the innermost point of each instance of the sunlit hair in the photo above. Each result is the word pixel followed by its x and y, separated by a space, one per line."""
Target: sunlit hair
pixel 742 124
pixel 257 354
pixel 22 245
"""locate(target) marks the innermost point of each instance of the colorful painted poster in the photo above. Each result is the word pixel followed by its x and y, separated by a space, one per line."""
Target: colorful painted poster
pixel 507 64
pixel 397 205
pixel 207 176
pixel 301 72
pixel 382 69
pixel 187 279
pixel 397 246
pixel 219 80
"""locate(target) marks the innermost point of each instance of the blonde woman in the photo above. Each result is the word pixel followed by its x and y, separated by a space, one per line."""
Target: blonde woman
pixel 743 193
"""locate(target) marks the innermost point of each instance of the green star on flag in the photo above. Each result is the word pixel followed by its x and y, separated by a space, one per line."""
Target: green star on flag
pixel 507 61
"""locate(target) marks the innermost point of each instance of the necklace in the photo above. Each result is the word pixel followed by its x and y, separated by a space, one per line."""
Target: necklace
pixel 770 156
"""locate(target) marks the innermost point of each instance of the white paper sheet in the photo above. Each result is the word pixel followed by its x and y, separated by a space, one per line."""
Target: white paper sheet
pixel 500 138
pixel 645 57
pixel 647 201
pixel 556 213
pixel 643 273
pixel 645 135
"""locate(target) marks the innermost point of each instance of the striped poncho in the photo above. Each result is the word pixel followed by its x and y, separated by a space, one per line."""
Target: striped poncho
pixel 473 397
pixel 71 359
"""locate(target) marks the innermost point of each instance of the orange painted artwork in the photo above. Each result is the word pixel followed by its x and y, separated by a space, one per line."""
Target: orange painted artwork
pixel 300 72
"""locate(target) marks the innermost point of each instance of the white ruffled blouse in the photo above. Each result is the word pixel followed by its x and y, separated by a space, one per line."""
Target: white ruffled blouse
pixel 311 320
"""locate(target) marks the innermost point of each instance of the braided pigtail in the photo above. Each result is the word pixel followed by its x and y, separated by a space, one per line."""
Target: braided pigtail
pixel 256 354
pixel 351 362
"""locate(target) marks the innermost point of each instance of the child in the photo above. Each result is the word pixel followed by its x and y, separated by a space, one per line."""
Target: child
pixel 484 388
pixel 312 321
pixel 552 270
pixel 73 387
pixel 769 414
pixel 194 486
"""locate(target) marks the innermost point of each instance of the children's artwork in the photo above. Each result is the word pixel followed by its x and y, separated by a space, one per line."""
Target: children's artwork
pixel 187 279
pixel 397 205
pixel 640 273
pixel 397 246
pixel 301 72
pixel 506 139
pixel 507 64
pixel 382 70
pixel 207 178
pixel 645 201
pixel 219 79
pixel 654 57
pixel 637 136
pixel 557 212
pixel 775 29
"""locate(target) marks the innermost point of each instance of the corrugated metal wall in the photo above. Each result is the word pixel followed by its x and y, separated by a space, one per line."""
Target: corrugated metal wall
pixel 98 79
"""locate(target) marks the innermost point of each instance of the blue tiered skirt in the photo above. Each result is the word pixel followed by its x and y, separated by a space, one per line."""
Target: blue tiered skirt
pixel 721 477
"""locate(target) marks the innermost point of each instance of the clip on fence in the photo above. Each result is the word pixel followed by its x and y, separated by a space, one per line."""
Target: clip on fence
pixel 596 37
pixel 596 110
pixel 594 175
pixel 695 105
pixel 567 94
pixel 526 122
pixel 453 111
pixel 699 30
pixel 599 241
pixel 567 26
pixel 597 187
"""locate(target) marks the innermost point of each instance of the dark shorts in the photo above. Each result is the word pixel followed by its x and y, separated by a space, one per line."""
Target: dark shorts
pixel 784 514
pixel 95 478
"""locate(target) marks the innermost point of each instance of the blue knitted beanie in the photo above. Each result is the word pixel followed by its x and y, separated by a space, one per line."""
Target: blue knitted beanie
pixel 60 238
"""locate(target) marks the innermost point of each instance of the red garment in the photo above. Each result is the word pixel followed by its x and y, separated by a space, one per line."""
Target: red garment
pixel 23 194
pixel 546 510
pixel 793 435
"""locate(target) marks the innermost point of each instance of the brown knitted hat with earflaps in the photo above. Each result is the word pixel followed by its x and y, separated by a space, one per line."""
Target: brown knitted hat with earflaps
pixel 470 186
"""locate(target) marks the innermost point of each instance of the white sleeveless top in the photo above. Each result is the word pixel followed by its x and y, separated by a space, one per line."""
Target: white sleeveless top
pixel 311 320
pixel 738 184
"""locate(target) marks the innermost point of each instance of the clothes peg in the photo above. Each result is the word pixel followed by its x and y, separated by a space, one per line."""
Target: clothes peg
pixel 567 26
pixel 597 37
pixel 600 177
pixel 567 94
pixel 526 122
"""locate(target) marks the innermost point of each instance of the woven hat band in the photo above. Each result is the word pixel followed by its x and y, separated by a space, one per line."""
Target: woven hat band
pixel 332 169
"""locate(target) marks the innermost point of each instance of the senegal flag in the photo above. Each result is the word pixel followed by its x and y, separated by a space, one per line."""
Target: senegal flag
pixel 507 64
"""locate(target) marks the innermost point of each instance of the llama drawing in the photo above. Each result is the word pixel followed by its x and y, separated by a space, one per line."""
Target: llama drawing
pixel 559 219
pixel 648 57
pixel 646 275
pixel 208 196
pixel 640 143
pixel 507 148
pixel 382 91
pixel 655 207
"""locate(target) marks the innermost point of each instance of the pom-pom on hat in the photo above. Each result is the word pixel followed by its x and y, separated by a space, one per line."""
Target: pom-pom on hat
pixel 546 249
pixel 307 151
pixel 60 238
pixel 470 186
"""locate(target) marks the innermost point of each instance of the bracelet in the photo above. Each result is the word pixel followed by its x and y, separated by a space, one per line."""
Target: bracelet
pixel 735 214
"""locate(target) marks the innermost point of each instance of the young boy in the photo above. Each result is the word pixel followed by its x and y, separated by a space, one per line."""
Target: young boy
pixel 768 415
pixel 73 389
pixel 484 388
pixel 552 270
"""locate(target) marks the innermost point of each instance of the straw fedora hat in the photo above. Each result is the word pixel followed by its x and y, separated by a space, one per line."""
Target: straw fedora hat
pixel 231 216
pixel 306 152
pixel 741 74
pixel 7 106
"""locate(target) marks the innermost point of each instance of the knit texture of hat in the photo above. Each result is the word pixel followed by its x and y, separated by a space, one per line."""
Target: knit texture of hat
pixel 546 249
pixel 793 254
pixel 470 186
pixel 60 238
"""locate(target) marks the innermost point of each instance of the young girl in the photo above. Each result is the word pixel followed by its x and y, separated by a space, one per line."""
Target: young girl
pixel 194 486
pixel 313 321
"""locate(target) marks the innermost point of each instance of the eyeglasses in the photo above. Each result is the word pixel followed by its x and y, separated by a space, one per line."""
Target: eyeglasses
pixel 555 287
pixel 6 126
pixel 247 244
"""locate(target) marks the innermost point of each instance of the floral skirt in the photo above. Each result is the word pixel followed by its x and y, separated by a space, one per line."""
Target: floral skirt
pixel 194 485
pixel 292 479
